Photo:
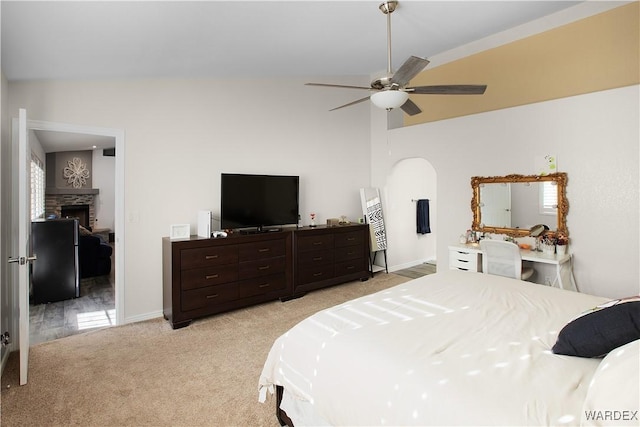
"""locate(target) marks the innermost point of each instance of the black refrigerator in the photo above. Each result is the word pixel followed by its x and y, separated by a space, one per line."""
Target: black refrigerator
pixel 55 273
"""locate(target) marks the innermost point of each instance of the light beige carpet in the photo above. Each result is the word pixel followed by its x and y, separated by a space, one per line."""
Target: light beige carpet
pixel 146 374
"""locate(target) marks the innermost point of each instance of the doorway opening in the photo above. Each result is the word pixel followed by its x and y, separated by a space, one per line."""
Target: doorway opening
pixel 101 298
pixel 410 180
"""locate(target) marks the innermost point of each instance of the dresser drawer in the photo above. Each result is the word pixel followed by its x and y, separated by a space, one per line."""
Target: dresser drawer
pixel 209 296
pixel 208 276
pixel 261 267
pixel 315 274
pixel 259 250
pixel 349 252
pixel 311 258
pixel 205 257
pixel 262 285
pixel 314 243
pixel 349 267
pixel 349 239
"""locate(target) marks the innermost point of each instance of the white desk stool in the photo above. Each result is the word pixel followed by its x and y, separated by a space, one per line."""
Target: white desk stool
pixel 503 259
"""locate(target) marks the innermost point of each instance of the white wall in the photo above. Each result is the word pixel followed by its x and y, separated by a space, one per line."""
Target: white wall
pixel 103 170
pixel 181 134
pixel 595 138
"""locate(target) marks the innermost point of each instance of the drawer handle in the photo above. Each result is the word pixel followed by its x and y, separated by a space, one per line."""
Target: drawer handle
pixel 265 285
pixel 211 276
pixel 317 243
pixel 264 267
pixel 264 250
pixel 317 274
pixel 351 239
pixel 465 253
pixel 211 257
pixel 318 258
pixel 212 296
pixel 351 267
pixel 463 260
pixel 350 253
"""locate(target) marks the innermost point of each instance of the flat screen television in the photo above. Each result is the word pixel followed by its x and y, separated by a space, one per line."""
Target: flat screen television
pixel 258 201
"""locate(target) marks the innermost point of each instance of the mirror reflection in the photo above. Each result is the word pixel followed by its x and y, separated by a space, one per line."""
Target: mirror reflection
pixel 513 204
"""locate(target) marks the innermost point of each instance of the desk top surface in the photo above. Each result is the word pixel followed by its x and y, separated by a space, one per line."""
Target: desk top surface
pixel 527 255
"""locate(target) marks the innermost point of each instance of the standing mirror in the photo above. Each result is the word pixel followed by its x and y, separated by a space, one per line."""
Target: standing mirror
pixel 513 204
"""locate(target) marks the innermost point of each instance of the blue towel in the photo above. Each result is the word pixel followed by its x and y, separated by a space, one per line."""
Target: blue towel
pixel 422 216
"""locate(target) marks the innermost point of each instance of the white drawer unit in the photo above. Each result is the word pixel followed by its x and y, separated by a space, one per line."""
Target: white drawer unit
pixel 464 259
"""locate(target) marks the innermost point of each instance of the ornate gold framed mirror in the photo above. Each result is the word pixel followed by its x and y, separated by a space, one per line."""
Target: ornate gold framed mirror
pixel 512 204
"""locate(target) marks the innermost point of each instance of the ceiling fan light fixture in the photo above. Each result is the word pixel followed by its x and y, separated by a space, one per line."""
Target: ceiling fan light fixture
pixel 389 99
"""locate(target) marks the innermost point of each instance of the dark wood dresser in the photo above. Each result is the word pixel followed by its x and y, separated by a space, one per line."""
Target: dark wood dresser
pixel 326 256
pixel 208 276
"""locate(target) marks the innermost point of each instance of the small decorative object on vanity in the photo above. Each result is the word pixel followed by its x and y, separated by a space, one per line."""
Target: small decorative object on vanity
pixel 313 220
pixel 548 244
pixel 562 241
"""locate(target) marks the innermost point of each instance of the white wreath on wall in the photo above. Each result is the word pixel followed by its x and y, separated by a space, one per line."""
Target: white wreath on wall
pixel 76 172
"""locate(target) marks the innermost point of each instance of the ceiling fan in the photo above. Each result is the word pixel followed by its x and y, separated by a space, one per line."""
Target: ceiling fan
pixel 391 90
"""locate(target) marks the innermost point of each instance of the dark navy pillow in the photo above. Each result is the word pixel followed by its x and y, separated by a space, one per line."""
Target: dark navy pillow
pixel 601 330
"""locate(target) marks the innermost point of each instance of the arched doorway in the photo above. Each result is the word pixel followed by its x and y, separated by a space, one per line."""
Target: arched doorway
pixel 409 180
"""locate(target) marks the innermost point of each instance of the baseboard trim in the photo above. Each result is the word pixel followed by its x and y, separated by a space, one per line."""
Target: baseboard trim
pixel 143 317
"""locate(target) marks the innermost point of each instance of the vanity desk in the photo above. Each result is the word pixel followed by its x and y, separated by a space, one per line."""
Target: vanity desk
pixel 468 257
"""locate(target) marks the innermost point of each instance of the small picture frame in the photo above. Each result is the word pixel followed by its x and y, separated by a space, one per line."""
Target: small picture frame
pixel 179 231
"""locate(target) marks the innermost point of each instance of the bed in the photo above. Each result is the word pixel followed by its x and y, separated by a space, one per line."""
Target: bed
pixel 452 348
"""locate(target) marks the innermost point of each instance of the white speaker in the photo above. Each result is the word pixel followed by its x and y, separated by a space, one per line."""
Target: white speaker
pixel 204 224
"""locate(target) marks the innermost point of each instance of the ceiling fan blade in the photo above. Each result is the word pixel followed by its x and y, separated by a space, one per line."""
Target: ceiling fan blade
pixel 351 103
pixel 448 90
pixel 411 108
pixel 409 70
pixel 340 86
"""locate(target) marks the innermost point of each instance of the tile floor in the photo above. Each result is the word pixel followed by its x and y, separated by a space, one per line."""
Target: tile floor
pixel 95 308
pixel 417 270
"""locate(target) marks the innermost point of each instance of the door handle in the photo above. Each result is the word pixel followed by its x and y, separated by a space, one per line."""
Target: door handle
pixel 22 260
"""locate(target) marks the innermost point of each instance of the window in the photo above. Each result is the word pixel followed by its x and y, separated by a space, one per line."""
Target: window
pixel 37 188
pixel 548 198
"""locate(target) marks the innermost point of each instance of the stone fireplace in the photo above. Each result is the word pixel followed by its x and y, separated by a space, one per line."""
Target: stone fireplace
pixel 75 205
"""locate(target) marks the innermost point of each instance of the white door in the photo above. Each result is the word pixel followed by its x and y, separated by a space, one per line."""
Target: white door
pixel 21 236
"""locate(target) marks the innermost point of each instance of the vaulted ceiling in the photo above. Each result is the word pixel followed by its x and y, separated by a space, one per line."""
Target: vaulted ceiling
pixel 239 39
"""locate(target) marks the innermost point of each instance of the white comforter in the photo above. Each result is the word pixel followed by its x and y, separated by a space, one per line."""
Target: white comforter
pixel 447 349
